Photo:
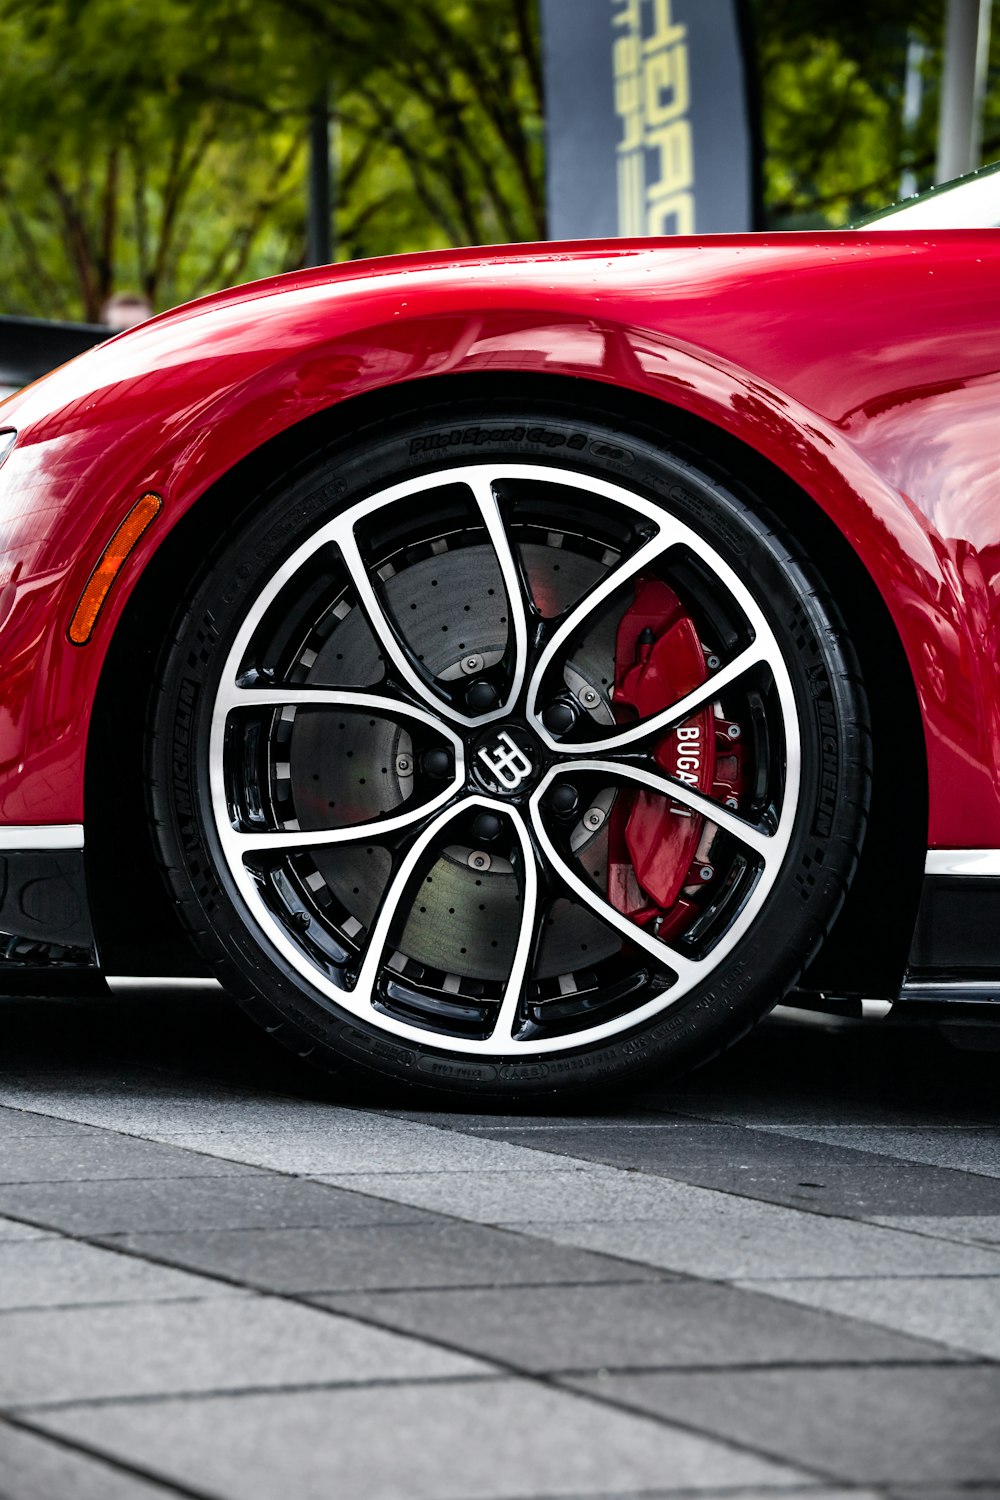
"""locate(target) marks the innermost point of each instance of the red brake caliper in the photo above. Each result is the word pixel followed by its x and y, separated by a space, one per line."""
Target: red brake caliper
pixel 654 859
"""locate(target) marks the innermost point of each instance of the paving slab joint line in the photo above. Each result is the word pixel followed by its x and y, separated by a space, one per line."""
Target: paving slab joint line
pixel 50 1307
pixel 970 1486
pixel 576 1164
pixel 893 1276
pixel 110 1461
pixel 522 1226
pixel 248 1171
pixel 791 1366
pixel 938 1236
pixel 107 1237
pixel 290 1388
pixel 485 1286
pixel 501 1366
pixel 823 1478
pixel 718 1492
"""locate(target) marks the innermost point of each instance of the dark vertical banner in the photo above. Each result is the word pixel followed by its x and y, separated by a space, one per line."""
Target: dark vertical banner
pixel 649 117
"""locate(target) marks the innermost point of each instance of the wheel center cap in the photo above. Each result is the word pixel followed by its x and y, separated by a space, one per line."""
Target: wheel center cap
pixel 506 761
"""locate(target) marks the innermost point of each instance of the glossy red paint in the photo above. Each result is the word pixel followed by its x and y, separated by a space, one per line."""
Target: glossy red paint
pixel 865 366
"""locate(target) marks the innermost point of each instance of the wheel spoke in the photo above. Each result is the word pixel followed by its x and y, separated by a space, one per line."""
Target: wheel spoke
pixel 392 904
pixel 706 692
pixel 686 969
pixel 295 696
pixel 667 536
pixel 382 627
pixel 517 605
pixel 354 833
pixel 399 893
pixel 242 842
pixel 524 952
pixel 760 840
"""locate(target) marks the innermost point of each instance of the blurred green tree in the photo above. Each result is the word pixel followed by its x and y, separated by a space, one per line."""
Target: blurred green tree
pixel 832 76
pixel 161 147
pixel 129 159
pixel 440 115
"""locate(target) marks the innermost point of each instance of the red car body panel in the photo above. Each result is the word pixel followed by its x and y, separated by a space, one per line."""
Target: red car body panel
pixel 865 366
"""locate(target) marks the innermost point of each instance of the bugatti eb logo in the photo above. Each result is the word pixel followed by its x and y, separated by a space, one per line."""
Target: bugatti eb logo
pixel 508 762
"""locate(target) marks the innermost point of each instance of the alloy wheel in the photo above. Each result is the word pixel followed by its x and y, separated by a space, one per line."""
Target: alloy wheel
pixel 504 759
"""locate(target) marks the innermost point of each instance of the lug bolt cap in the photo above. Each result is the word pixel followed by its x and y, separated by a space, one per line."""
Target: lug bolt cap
pixel 563 798
pixel 481 697
pixel 437 763
pixel 558 718
pixel 486 827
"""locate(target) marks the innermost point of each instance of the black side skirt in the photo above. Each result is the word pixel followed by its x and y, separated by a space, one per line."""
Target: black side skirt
pixel 47 944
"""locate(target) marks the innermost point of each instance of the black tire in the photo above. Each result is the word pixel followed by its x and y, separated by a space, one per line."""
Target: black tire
pixel 279 925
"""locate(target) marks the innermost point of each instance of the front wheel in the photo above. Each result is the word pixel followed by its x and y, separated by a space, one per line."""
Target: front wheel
pixel 504 751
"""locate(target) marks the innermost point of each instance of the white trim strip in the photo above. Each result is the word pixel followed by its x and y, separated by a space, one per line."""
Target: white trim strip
pixel 980 989
pixel 127 983
pixel 26 837
pixel 962 862
pixel 875 1010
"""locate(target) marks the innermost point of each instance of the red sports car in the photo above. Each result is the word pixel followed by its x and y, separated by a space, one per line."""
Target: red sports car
pixel 509 669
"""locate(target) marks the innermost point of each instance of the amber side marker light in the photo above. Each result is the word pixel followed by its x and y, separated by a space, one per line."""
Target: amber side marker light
pixel 113 559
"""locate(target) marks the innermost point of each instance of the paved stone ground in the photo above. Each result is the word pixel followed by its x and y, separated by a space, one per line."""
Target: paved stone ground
pixel 223 1277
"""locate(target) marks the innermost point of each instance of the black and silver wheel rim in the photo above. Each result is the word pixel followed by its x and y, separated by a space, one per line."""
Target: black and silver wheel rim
pixel 430 772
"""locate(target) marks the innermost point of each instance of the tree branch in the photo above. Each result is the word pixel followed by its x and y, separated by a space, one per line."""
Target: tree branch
pixel 78 243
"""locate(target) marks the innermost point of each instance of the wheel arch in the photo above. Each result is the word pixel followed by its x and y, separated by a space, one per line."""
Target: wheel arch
pixel 137 928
